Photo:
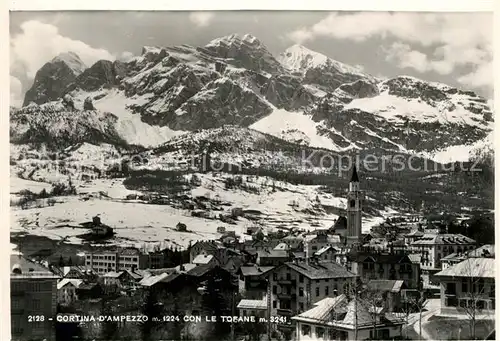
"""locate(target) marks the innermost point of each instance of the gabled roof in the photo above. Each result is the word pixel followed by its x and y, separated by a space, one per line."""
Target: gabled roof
pixel 483 251
pixel 454 256
pixel 113 274
pixel 252 304
pixel 21 267
pixel 381 258
pixel 322 310
pixel 202 259
pixel 255 270
pixel 320 270
pixel 350 314
pixel 152 280
pixel 472 267
pixel 273 254
pixel 443 239
pixel 323 250
pixel 415 258
pixel 415 233
pixel 201 270
pixel 386 285
pixel 359 311
pixel 69 281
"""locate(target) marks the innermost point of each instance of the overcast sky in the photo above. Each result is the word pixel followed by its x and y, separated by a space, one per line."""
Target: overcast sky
pixel 453 48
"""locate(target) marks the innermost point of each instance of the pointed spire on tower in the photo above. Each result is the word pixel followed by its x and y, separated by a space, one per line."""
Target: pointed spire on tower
pixel 354 177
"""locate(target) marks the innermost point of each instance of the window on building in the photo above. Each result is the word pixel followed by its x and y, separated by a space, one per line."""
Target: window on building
pixel 275 289
pixel 275 276
pixel 301 292
pixel 306 329
pixel 317 291
pixel 301 279
pixel 301 306
pixel 275 304
pixel 327 291
pixel 480 285
pixel 320 332
pixel 465 285
pixel 36 305
pixel 352 203
pixel 37 325
pixel 289 276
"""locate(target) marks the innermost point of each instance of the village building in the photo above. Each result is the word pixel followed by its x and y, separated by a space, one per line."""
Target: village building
pixel 470 283
pixel 272 257
pixel 370 265
pixel 257 308
pixel 121 280
pixel 103 261
pixel 434 247
pixel 215 248
pixel 203 259
pixel 314 243
pixel 66 290
pixel 338 318
pixel 296 286
pixel 327 253
pixel 452 259
pixel 253 281
pixel 293 242
pixel 413 236
pixel 33 291
pixel 391 291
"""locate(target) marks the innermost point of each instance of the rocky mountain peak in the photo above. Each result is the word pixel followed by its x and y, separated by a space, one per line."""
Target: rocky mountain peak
pixel 54 77
pixel 300 58
pixel 72 60
pixel 247 52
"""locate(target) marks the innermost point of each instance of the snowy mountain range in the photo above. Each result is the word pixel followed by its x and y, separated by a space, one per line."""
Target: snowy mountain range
pixel 127 133
pixel 300 96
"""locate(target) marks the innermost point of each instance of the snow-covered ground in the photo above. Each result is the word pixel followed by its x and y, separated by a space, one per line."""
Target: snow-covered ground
pixel 132 222
pixel 129 126
pixel 393 108
pixel 285 124
pixel 461 153
pixel 17 185
pixel 135 223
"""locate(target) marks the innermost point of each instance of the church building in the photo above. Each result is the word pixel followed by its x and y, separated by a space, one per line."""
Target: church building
pixel 354 210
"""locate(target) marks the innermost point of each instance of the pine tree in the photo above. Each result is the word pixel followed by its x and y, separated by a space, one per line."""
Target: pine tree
pixel 109 329
pixel 150 309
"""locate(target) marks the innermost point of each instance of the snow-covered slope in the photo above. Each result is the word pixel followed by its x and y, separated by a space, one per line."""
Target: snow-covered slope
pixel 295 127
pixel 299 58
pixel 130 126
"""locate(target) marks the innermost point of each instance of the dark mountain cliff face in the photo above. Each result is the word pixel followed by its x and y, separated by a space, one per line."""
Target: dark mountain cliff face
pixel 52 80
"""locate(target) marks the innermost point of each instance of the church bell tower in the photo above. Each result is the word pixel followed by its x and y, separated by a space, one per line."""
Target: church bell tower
pixel 354 210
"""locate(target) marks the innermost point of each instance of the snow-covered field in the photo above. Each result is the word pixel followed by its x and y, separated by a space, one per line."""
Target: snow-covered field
pixel 17 185
pixel 135 223
pixel 282 123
